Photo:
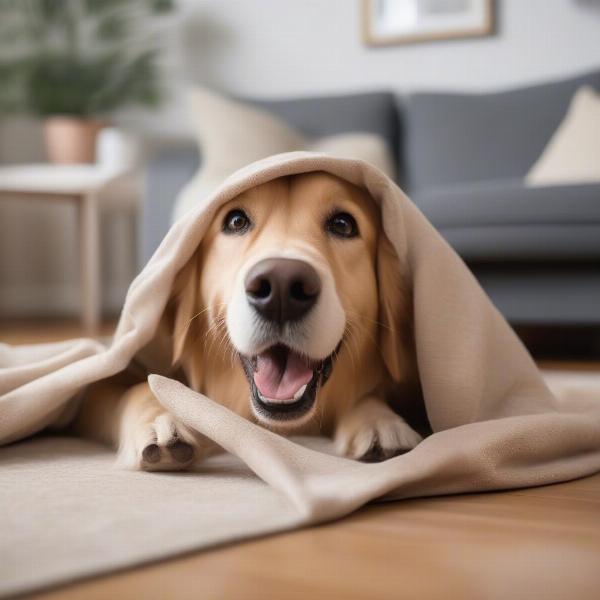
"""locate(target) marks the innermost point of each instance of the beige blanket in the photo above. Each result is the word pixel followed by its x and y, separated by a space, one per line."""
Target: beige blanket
pixel 496 422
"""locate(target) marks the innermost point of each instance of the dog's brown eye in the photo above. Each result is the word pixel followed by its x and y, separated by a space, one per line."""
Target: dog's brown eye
pixel 236 221
pixel 342 225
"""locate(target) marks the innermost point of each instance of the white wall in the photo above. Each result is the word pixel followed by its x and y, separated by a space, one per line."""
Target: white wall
pixel 301 47
pixel 280 48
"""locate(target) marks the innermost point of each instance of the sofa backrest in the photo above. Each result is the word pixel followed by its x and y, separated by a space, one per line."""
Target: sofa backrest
pixel 371 112
pixel 457 138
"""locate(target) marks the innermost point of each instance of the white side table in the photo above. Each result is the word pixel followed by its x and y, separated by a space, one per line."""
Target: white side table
pixel 79 185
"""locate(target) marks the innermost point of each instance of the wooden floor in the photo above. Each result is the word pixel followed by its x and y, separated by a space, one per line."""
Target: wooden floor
pixel 535 543
pixel 17 331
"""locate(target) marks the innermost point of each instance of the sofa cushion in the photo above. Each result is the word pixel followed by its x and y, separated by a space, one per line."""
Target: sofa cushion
pixel 573 153
pixel 507 220
pixel 232 134
pixel 319 116
pixel 454 138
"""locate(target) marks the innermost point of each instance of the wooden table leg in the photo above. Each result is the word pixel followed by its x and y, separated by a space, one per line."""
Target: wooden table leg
pixel 89 263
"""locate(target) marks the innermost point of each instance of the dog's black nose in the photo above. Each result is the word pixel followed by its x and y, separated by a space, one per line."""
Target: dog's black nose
pixel 282 289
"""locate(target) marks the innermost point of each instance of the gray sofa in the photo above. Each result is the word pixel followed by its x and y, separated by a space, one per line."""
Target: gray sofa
pixel 462 159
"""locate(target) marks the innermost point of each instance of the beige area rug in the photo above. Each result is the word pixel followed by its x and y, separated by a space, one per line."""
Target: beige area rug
pixel 66 512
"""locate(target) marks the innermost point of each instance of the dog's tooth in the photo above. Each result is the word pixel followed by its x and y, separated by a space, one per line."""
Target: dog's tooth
pixel 299 393
pixel 297 396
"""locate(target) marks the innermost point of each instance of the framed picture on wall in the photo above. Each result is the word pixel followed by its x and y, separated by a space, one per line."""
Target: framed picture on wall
pixel 387 22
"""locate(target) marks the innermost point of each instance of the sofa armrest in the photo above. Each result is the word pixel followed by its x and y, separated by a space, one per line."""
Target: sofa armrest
pixel 168 169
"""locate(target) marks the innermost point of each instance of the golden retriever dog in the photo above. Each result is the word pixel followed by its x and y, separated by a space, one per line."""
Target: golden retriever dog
pixel 291 313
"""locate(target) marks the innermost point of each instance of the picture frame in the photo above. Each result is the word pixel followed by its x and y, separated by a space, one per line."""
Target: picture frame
pixel 397 22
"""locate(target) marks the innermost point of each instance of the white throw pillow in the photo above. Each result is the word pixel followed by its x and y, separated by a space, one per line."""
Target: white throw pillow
pixel 573 153
pixel 232 134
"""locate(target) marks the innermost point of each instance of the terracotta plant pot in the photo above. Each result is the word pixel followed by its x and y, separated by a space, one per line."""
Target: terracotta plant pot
pixel 71 140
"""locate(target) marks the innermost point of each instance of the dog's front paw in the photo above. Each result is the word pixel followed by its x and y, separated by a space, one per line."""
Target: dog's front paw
pixel 372 432
pixel 163 444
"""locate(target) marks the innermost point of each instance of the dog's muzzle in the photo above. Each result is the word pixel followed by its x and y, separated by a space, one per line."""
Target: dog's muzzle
pixel 283 381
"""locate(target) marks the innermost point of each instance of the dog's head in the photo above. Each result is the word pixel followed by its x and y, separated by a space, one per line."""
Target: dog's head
pixel 295 277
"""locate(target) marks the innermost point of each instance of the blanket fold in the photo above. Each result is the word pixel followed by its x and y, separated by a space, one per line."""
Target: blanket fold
pixel 496 423
pixel 481 456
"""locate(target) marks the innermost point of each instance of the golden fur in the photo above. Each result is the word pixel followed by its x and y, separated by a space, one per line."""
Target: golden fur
pixel 373 360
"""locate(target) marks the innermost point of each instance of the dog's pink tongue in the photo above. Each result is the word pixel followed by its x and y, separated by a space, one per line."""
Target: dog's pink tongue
pixel 279 376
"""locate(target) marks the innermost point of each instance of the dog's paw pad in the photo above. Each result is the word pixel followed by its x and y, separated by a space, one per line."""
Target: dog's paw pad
pixel 182 452
pixel 167 455
pixel 151 453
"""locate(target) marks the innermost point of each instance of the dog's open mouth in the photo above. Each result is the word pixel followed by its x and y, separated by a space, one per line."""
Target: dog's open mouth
pixel 283 383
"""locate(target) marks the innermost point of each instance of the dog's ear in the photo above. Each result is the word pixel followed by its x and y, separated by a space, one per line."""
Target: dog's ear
pixel 395 318
pixel 184 304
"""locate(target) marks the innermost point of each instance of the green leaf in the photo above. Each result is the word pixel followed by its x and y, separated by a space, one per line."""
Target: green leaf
pixel 161 6
pixel 111 28
pixel 11 90
pixel 51 10
pixel 99 7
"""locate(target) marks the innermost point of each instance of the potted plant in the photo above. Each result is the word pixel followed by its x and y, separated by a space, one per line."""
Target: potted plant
pixel 73 62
